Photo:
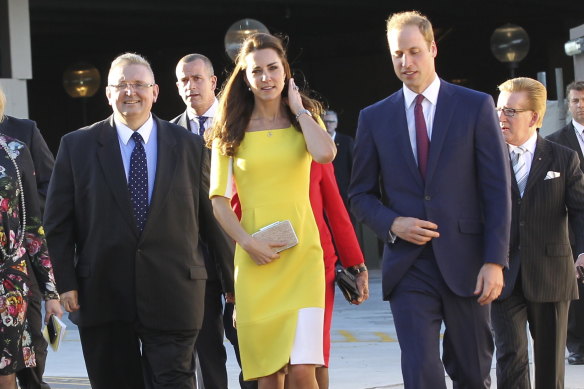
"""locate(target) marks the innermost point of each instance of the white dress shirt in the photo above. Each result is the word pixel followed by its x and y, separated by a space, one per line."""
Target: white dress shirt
pixel 579 133
pixel 210 114
pixel 529 146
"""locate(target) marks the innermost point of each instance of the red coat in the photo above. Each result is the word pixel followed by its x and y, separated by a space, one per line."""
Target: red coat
pixel 332 218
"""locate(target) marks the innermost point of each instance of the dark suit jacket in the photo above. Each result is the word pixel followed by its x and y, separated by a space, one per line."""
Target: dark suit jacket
pixel 343 163
pixel 466 192
pixel 157 276
pixel 27 132
pixel 540 245
pixel 567 137
pixel 213 270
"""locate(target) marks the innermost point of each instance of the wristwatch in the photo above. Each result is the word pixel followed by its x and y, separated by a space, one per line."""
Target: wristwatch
pixel 354 270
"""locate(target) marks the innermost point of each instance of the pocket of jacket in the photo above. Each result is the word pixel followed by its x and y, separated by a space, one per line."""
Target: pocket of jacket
pixel 198 273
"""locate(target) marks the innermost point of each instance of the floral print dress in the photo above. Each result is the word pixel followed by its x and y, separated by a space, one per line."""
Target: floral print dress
pixel 16 350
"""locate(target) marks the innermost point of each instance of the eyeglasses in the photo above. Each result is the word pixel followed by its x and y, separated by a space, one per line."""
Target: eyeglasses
pixel 131 85
pixel 510 112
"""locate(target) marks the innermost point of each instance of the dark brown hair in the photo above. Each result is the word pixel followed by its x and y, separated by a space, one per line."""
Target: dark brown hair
pixel 236 101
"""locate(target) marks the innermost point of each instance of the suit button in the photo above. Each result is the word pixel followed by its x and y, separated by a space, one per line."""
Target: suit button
pixel 427 197
pixel 521 223
pixel 518 202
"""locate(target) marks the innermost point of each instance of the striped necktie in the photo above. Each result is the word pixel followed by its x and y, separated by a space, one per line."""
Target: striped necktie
pixel 520 168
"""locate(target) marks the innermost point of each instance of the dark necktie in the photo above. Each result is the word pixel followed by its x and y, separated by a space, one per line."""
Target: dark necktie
pixel 422 140
pixel 202 120
pixel 138 182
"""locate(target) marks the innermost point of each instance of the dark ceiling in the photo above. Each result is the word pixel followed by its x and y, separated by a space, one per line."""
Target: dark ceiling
pixel 338 46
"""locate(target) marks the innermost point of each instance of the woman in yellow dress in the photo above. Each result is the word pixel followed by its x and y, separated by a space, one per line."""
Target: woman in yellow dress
pixel 264 140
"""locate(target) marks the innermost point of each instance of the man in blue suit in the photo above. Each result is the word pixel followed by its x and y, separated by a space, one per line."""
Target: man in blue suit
pixel 431 178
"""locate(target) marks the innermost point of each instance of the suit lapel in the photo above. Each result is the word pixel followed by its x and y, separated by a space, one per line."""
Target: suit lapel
pixel 184 121
pixel 539 165
pixel 110 159
pixel 572 142
pixel 442 119
pixel 398 122
pixel 165 169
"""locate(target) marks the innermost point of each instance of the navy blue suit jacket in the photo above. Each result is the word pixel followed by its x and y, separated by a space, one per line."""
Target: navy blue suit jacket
pixel 466 193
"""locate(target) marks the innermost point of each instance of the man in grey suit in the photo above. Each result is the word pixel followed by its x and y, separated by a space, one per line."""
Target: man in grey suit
pixel 547 193
pixel 572 136
pixel 127 203
pixel 196 83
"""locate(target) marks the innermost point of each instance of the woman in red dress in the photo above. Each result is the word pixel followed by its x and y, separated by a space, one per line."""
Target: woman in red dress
pixel 338 241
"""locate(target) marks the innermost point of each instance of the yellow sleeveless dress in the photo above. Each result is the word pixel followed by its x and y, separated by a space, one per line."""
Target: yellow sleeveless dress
pixel 271 171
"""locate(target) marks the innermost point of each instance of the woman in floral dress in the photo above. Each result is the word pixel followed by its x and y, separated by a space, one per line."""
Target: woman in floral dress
pixel 21 233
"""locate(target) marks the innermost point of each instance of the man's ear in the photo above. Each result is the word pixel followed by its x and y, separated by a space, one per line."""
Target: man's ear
pixel 108 95
pixel 155 91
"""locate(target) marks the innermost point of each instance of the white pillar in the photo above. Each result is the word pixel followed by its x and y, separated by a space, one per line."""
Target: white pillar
pixel 20 61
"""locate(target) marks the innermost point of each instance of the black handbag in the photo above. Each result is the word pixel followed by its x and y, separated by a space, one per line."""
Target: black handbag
pixel 347 284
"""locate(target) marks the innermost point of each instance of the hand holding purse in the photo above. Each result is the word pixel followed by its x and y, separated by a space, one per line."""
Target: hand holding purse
pixel 347 284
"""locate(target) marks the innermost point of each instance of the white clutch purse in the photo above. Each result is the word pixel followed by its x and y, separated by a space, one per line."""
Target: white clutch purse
pixel 281 231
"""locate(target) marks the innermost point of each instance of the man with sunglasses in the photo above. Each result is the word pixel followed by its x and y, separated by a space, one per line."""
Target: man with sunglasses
pixel 547 193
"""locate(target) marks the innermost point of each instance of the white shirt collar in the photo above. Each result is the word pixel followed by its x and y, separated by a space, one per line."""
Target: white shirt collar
pixel 577 126
pixel 529 144
pixel 209 113
pixel 125 133
pixel 430 93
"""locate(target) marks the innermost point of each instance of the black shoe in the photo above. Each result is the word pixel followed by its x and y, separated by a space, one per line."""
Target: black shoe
pixel 576 359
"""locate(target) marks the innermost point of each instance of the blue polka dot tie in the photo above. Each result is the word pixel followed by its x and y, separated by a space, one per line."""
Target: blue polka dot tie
pixel 138 182
pixel 202 120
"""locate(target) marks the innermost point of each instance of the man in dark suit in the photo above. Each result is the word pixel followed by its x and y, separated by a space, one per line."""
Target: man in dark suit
pixel 27 132
pixel 547 193
pixel 196 83
pixel 343 162
pixel 572 136
pixel 127 203
pixel 431 178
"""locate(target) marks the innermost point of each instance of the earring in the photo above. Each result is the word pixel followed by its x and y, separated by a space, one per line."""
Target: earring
pixel 249 89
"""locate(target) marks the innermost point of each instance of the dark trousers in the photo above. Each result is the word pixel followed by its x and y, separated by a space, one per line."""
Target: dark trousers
pixel 575 340
pixel 547 325
pixel 32 378
pixel 209 346
pixel 129 356
pixel 420 303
